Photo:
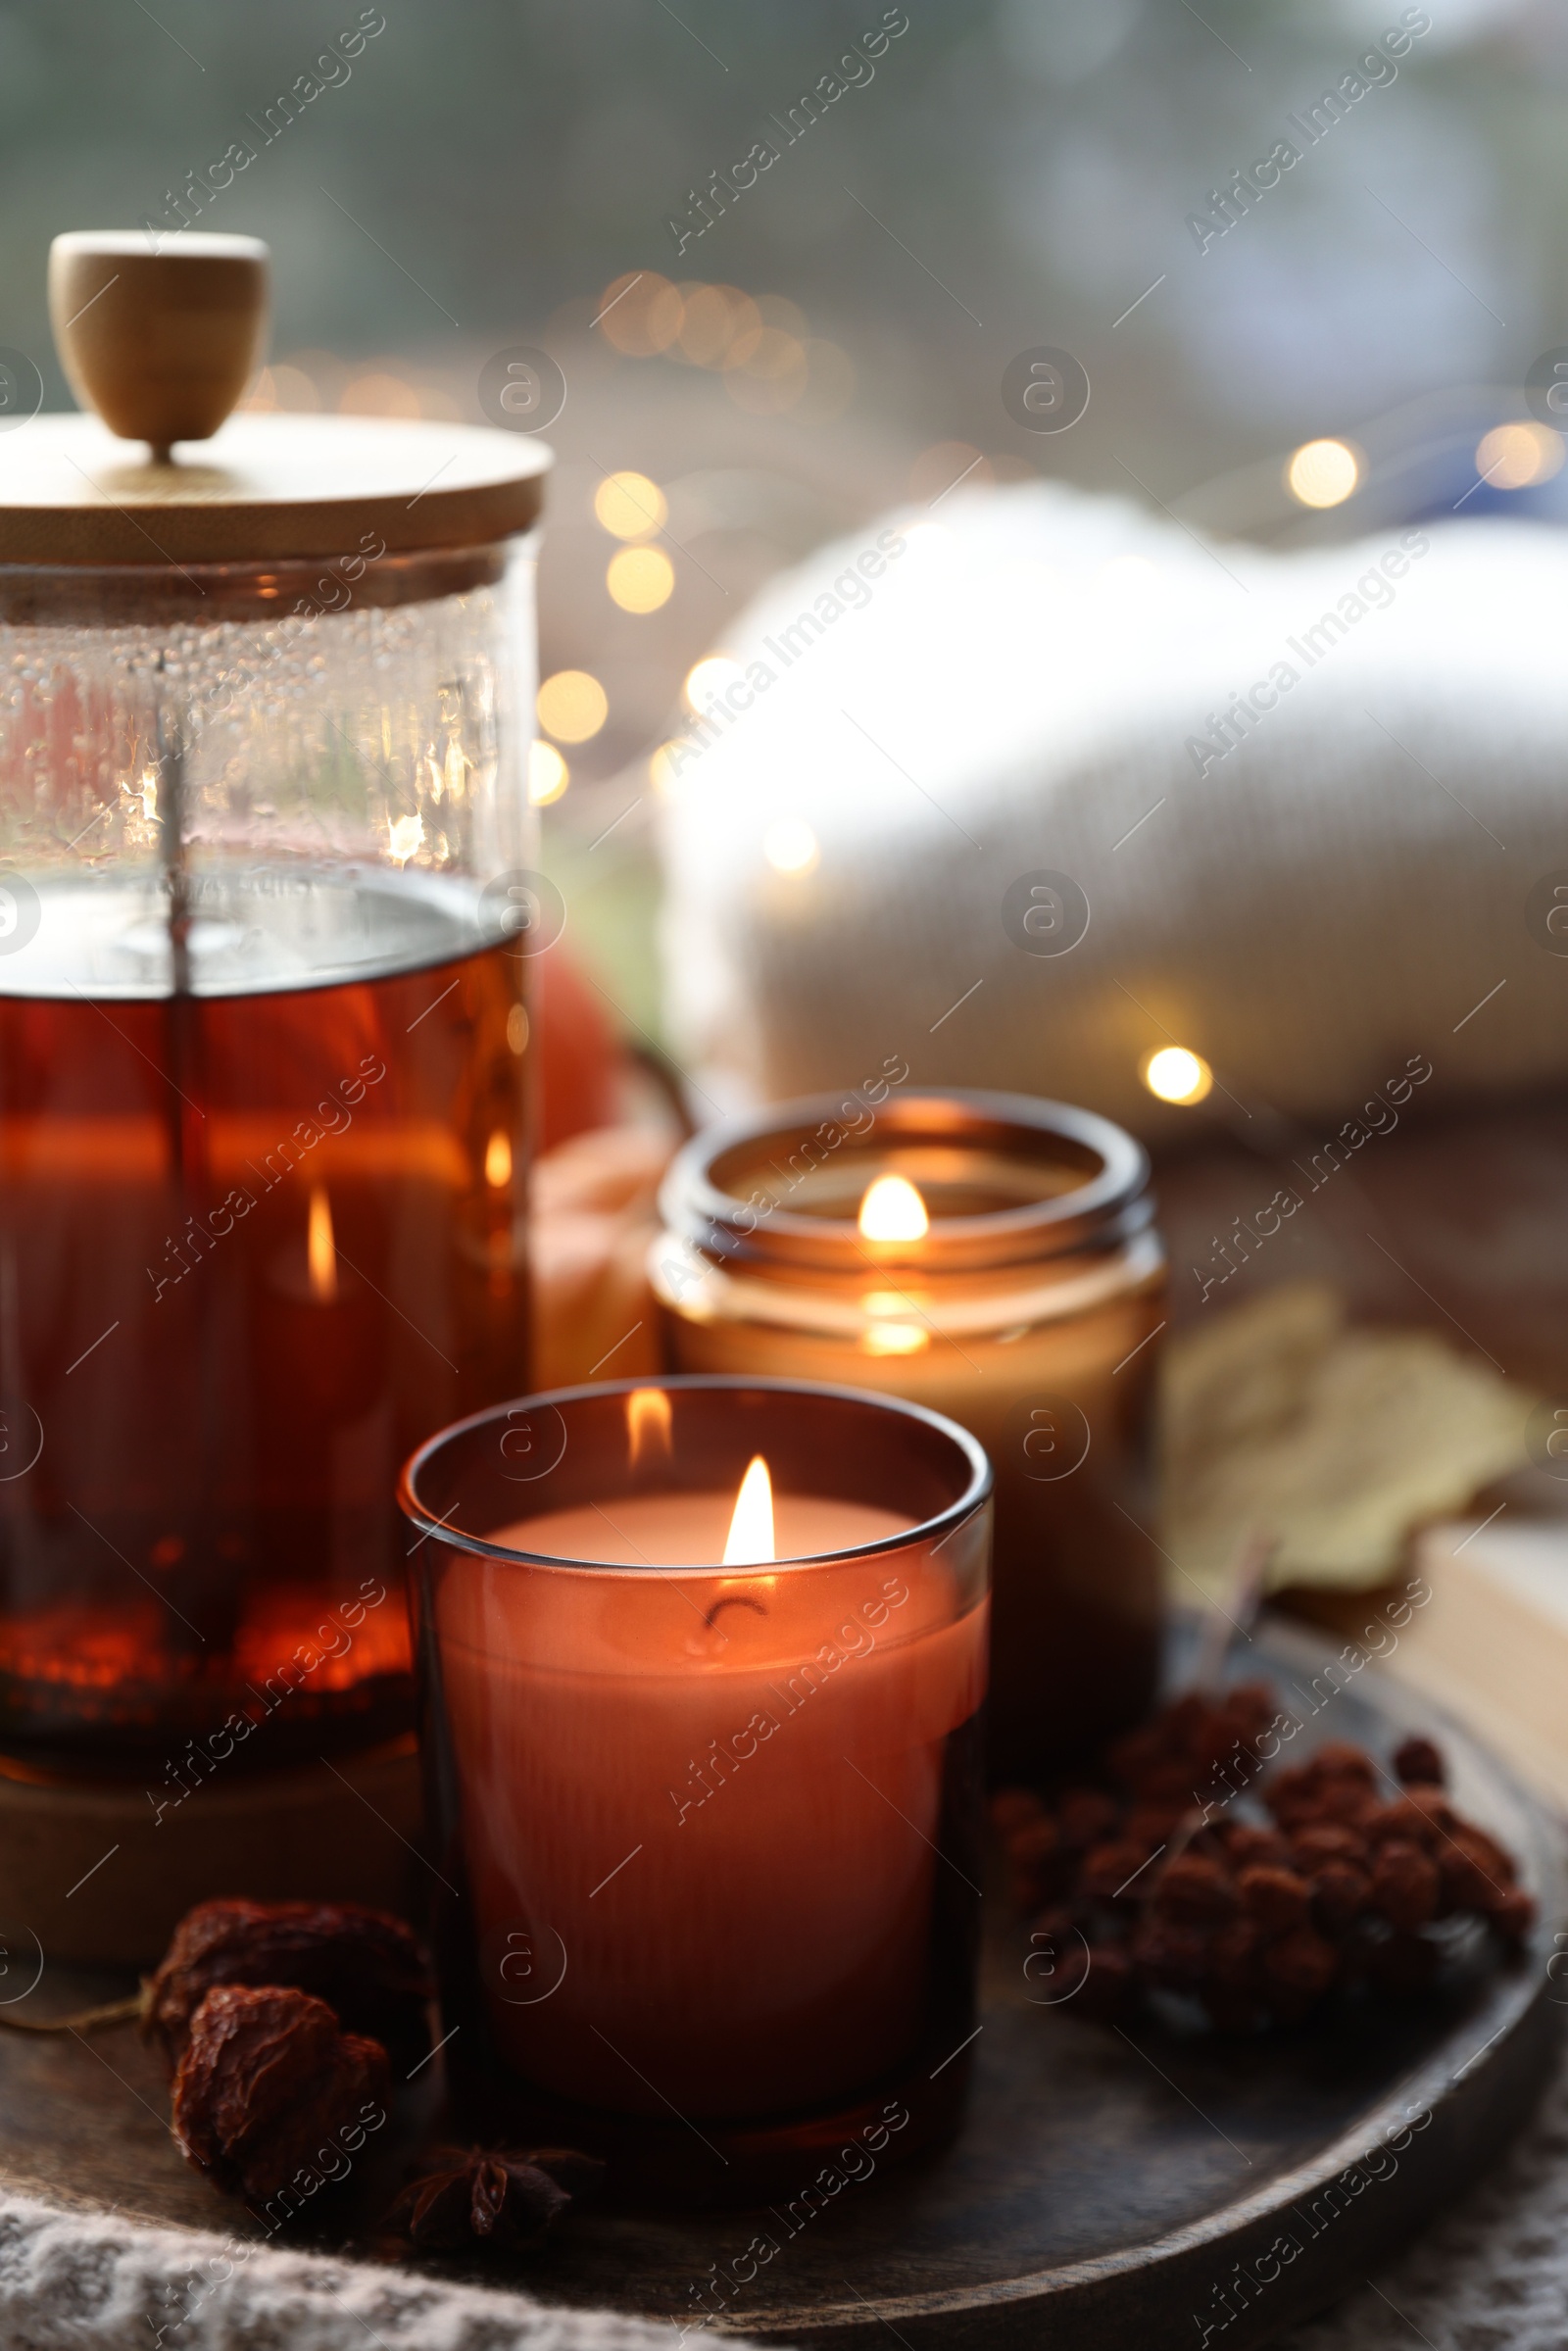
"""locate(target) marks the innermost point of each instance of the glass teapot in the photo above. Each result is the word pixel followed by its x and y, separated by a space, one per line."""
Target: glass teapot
pixel 265 894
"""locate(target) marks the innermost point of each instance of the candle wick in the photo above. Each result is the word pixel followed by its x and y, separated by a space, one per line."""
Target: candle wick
pixel 733 1599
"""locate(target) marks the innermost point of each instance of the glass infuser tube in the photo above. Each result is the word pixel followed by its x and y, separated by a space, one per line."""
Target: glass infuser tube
pixel 186 1124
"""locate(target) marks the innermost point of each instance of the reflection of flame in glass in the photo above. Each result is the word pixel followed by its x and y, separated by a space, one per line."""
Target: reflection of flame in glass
pixel 498 1161
pixel 893 1210
pixel 404 837
pixel 893 1339
pixel 320 1252
pixel 648 1420
pixel 751 1530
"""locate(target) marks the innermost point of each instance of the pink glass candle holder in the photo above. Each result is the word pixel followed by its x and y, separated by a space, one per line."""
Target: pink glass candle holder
pixel 705 1773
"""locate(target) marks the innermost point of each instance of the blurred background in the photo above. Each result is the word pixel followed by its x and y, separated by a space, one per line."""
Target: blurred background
pixel 752 369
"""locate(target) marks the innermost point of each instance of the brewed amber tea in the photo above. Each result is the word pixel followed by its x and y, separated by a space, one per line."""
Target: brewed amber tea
pixel 261 1178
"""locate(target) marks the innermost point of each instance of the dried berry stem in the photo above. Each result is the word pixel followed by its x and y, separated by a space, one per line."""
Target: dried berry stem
pixel 84 2020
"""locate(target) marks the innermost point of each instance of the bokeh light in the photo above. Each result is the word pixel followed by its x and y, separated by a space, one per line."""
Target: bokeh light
pixel 640 313
pixel 1512 456
pixel 639 578
pixel 791 847
pixel 664 767
pixel 719 327
pixel 713 674
pixel 378 394
pixel 629 505
pixel 572 706
pixel 548 774
pixel 1323 474
pixel 773 377
pixel 1175 1075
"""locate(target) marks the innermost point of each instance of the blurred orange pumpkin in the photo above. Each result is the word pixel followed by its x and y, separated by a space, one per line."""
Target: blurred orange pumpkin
pixel 593 1188
pixel 580 1061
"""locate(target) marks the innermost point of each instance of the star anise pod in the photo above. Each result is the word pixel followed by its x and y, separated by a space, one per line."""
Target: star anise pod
pixel 365 1964
pixel 507 2198
pixel 271 2094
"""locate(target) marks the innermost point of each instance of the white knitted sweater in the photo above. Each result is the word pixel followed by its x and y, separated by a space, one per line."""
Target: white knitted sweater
pixel 1490 2275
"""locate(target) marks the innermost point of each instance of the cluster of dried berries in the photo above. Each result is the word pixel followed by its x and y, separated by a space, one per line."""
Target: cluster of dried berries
pixel 367 1966
pixel 500 2198
pixel 1129 1888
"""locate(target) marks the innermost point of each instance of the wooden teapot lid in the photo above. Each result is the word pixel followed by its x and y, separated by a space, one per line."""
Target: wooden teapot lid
pixel 162 343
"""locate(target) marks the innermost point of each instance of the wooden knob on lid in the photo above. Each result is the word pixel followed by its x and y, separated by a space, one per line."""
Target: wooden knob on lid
pixel 162 344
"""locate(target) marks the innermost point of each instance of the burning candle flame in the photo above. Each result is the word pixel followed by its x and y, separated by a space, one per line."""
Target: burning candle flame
pixel 320 1251
pixel 893 1210
pixel 647 1419
pixel 751 1530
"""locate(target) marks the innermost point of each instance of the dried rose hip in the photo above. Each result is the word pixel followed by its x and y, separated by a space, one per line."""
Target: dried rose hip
pixel 1277 1898
pixel 1424 1814
pixel 366 1965
pixel 1152 1825
pixel 1328 1840
pixel 1476 1872
pixel 1110 1868
pixel 1339 1893
pixel 1337 1759
pixel 267 2083
pixel 1405 1885
pixel 503 2199
pixel 1419 1759
pixel 1343 1801
pixel 1293 1796
pixel 1192 1888
pixel 1255 1848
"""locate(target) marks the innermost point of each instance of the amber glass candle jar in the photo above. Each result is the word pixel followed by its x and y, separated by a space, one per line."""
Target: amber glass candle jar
pixel 992 1258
